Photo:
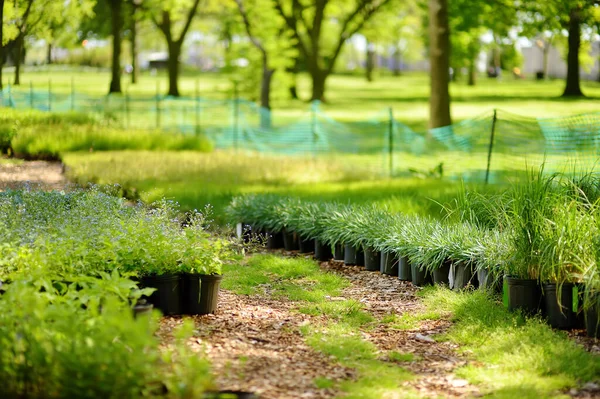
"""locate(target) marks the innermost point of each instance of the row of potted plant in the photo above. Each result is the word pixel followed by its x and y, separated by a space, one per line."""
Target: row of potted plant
pixel 91 232
pixel 539 237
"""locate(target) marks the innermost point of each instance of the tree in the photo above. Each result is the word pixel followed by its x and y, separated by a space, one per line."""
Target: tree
pixel 270 40
pixel 569 15
pixel 166 15
pixel 37 18
pixel 439 56
pixel 397 27
pixel 308 20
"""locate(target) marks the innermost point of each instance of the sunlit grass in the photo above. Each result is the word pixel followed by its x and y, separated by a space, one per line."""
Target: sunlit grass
pixel 195 179
pixel 515 356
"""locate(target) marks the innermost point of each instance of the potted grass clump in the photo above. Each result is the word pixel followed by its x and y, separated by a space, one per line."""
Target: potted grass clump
pixel 491 254
pixel 358 234
pixel 530 205
pixel 310 223
pixel 414 244
pixel 250 213
pixel 333 231
pixel 298 216
pixel 376 232
pixel 566 253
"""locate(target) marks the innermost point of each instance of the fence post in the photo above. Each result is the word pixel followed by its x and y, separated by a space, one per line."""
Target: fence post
pixel 127 113
pixel 157 105
pixel 72 94
pixel 391 141
pixel 197 106
pixel 31 94
pixel 236 115
pixel 491 148
pixel 49 94
pixel 10 101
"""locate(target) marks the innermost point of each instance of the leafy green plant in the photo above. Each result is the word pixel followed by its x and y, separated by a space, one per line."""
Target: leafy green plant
pixel 82 340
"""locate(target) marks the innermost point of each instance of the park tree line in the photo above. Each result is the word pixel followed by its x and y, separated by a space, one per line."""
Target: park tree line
pixel 281 38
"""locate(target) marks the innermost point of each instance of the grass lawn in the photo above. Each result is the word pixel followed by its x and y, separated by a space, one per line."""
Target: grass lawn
pixel 196 179
pixel 351 98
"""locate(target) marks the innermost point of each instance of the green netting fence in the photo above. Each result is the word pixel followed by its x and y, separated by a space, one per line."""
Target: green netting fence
pixel 490 147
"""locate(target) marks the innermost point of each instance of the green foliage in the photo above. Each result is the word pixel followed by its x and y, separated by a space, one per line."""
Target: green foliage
pixel 89 232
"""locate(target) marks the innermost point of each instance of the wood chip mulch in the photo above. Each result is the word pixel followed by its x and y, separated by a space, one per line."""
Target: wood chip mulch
pixel 39 174
pixel 254 342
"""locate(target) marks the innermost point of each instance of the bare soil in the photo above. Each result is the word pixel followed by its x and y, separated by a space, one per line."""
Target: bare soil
pixel 42 175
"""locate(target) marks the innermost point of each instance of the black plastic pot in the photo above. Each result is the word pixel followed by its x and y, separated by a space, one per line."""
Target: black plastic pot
pixel 420 276
pixel 190 293
pixel 209 293
pixel 372 259
pixel 360 256
pixel 338 252
pixel 559 313
pixel 579 291
pixel 388 263
pixel 524 294
pixel 306 245
pixel 486 281
pixel 461 275
pixel 167 297
pixel 274 239
pixel 322 251
pixel 404 269
pixel 441 275
pixel 349 255
pixel 592 320
pixel 290 240
pixel 142 308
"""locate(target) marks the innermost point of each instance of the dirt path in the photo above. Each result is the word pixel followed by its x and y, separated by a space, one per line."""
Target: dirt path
pixel 40 174
pixel 254 342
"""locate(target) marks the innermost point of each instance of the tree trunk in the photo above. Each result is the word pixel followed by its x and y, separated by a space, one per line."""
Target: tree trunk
pixel 439 34
pixel 397 61
pixel 18 53
pixel 318 85
pixel 116 17
pixel 1 39
pixel 293 70
pixel 265 96
pixel 370 63
pixel 472 77
pixel 573 88
pixel 173 67
pixel 134 46
pixel 49 53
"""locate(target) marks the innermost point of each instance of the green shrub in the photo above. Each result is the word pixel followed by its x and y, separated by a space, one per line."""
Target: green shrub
pixel 82 341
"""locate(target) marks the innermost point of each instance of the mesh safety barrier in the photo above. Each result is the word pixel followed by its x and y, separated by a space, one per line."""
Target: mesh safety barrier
pixel 493 146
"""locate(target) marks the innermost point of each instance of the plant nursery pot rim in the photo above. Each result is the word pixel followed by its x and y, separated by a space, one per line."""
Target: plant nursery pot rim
pixel 208 277
pixel 528 281
pixel 162 277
